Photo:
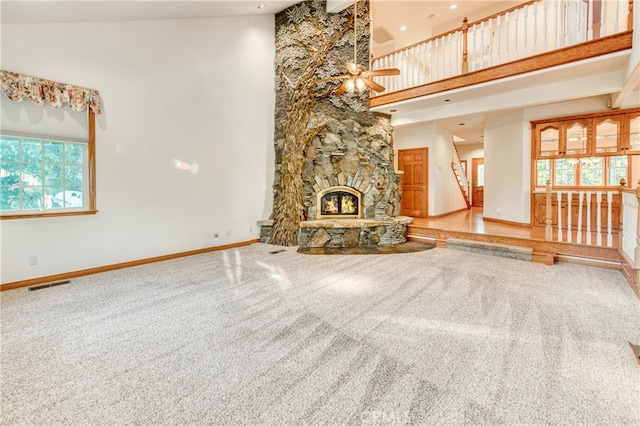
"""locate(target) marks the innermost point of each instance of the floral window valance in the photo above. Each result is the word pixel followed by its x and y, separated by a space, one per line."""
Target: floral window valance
pixel 39 91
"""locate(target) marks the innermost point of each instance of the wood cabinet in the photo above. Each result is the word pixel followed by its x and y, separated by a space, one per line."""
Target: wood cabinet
pixel 588 135
pixel 548 139
pixel 631 133
pixel 539 211
pixel 563 139
pixel 608 131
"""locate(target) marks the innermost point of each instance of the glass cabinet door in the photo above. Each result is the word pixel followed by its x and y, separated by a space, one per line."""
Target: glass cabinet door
pixel 607 133
pixel 548 139
pixel 576 138
pixel 633 137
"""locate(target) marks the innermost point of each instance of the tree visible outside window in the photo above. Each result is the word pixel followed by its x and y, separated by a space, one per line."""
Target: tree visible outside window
pixel 592 171
pixel 42 175
pixel 618 167
pixel 565 171
pixel 544 172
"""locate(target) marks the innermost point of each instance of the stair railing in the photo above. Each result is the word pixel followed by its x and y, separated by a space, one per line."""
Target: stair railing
pixel 461 175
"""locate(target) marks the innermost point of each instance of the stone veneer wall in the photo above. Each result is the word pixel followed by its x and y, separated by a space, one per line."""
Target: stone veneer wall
pixel 355 150
pixel 354 146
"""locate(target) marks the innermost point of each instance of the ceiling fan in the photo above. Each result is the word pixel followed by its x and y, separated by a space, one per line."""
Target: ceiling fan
pixel 358 78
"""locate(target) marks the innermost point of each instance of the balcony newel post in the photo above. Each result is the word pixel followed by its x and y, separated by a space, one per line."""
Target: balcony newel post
pixel 465 50
pixel 547 220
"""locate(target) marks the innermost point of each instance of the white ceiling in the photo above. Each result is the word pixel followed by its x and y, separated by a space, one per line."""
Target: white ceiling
pixel 423 19
pixel 46 11
pixel 420 17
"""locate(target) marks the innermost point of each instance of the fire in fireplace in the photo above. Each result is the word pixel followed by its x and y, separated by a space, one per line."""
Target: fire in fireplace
pixel 339 202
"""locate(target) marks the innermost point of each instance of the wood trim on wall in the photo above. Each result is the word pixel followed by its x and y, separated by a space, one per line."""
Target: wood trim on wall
pixel 106 268
pixel 506 222
pixel 92 162
pixel 447 213
pixel 590 49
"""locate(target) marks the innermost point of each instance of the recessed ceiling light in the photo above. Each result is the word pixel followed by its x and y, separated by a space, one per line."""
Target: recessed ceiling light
pixel 403 28
pixel 453 6
pixel 262 6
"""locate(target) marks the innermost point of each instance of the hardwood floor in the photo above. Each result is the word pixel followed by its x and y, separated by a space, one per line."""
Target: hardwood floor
pixel 472 221
pixel 470 225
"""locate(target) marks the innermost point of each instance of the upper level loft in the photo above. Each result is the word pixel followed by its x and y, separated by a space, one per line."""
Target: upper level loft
pixel 532 36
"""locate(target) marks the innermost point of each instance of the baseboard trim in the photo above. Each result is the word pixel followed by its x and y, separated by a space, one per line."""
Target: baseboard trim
pixel 437 216
pixel 106 268
pixel 506 222
pixel 589 261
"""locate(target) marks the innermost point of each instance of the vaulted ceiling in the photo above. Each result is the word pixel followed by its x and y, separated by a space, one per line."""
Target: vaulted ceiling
pixel 402 22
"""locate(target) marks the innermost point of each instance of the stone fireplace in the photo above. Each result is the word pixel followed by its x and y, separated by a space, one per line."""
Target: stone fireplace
pixel 349 194
pixel 351 189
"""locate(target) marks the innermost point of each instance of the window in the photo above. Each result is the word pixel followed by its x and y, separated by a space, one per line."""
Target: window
pixel 618 167
pixel 480 176
pixel 544 172
pixel 592 171
pixel 42 175
pixel 47 148
pixel 565 169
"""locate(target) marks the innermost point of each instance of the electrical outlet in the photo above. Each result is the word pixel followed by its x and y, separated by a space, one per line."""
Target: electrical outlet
pixel 33 260
pixel 215 235
pixel 250 229
pixel 228 233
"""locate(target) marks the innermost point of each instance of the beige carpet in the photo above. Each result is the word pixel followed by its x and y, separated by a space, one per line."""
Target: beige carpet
pixel 247 337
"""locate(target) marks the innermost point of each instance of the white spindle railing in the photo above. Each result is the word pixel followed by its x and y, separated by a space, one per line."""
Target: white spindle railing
pixel 566 230
pixel 531 28
pixel 630 216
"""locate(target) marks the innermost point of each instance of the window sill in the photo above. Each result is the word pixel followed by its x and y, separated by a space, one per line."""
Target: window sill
pixel 47 214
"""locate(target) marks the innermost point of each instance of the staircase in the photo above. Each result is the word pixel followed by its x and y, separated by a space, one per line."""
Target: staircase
pixel 461 175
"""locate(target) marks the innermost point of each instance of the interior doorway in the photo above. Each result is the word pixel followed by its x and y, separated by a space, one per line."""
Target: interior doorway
pixel 477 182
pixel 414 181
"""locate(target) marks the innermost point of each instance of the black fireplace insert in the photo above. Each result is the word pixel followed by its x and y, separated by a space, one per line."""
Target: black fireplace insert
pixel 339 203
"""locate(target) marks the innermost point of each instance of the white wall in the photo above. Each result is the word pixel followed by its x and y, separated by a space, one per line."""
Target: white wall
pixel 444 193
pixel 507 168
pixel 197 90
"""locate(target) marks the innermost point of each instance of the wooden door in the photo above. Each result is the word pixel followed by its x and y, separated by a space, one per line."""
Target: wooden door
pixel 413 162
pixel 477 182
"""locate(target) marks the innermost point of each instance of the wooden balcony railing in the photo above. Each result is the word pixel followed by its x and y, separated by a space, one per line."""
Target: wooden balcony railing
pixel 480 51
